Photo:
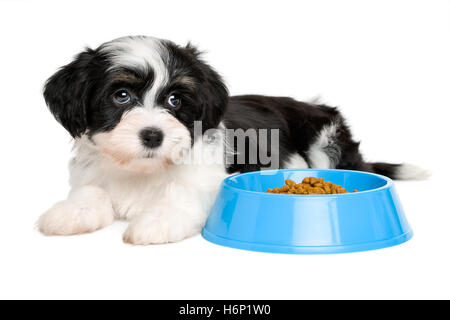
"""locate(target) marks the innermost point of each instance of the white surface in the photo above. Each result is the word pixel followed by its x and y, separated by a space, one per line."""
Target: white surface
pixel 386 63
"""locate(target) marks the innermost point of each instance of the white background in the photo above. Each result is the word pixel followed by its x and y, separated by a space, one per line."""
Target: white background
pixel 385 63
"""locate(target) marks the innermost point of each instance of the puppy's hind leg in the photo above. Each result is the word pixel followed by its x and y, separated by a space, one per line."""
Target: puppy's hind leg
pixel 86 209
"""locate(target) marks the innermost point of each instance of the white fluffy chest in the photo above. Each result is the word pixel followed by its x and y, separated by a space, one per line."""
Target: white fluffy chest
pixel 186 185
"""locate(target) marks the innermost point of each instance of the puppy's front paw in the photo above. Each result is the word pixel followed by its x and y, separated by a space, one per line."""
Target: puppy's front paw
pixel 145 230
pixel 86 211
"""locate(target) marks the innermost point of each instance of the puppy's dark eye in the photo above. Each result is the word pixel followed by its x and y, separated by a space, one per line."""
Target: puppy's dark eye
pixel 121 97
pixel 174 101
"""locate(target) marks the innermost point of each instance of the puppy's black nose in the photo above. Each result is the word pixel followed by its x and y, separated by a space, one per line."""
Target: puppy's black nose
pixel 151 137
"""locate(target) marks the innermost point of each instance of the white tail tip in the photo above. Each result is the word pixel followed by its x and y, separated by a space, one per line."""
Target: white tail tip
pixel 409 171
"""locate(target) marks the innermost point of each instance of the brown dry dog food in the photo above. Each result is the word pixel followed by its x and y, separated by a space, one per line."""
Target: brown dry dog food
pixel 309 185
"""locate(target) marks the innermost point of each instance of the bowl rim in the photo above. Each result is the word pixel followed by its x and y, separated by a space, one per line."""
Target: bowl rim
pixel 389 183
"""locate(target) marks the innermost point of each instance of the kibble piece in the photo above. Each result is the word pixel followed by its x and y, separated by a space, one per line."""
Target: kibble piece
pixel 289 182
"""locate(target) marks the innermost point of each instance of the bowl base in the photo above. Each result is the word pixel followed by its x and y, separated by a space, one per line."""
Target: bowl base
pixel 307 249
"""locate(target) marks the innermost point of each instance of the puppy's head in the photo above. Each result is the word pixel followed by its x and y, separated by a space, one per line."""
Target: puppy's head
pixel 136 99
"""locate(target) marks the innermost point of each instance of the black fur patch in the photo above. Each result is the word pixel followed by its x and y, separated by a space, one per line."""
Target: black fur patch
pixel 67 93
pixel 205 96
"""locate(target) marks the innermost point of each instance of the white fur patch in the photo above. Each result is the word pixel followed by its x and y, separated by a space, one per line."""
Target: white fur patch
pixel 316 100
pixel 296 161
pixel 323 153
pixel 86 209
pixel 123 144
pixel 409 171
pixel 140 53
pixel 164 224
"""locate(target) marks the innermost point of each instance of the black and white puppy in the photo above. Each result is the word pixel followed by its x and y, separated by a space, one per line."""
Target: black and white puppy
pixel 141 111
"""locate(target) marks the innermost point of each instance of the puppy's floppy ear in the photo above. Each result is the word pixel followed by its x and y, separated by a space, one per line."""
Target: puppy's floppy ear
pixel 215 99
pixel 67 93
pixel 213 92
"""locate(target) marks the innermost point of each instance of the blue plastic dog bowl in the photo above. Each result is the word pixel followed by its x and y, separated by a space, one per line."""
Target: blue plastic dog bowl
pixel 244 216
